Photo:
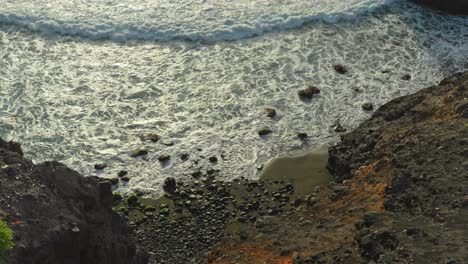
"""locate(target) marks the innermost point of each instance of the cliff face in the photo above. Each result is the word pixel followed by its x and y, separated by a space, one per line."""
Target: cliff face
pixel 457 7
pixel 400 193
pixel 418 145
pixel 58 216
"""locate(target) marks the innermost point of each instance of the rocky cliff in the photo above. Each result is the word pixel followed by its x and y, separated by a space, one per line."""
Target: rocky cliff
pixel 58 216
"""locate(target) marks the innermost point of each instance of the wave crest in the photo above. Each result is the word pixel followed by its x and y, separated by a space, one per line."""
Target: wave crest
pixel 165 20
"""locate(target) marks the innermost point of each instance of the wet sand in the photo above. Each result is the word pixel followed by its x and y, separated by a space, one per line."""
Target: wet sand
pixel 305 171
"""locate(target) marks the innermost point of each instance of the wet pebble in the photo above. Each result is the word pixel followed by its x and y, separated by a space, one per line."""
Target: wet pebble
pixel 339 68
pixel 368 106
pixel 264 131
pixel 100 166
pixel 270 112
pixel 308 93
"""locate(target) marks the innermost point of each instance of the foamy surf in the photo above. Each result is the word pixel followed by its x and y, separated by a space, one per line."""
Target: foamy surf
pixel 203 20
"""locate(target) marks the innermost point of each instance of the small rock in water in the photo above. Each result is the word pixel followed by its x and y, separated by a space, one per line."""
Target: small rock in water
pixel 151 137
pixel 260 167
pixel 164 157
pixel 339 68
pixel 125 178
pixel 302 136
pixel 368 106
pixel 170 185
pixel 338 127
pixel 122 173
pixel 100 166
pixel 196 174
pixel 264 131
pixel 168 143
pixel 406 77
pixel 308 93
pixel 139 152
pixel 270 112
pixel 386 71
pixel 184 157
pixel 213 159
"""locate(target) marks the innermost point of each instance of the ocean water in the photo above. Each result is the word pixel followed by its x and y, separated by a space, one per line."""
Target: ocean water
pixel 81 80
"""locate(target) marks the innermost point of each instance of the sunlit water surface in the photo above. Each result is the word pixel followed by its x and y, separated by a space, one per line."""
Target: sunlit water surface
pixel 83 101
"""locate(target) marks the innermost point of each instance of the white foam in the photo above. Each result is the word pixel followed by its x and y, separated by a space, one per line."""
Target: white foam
pixel 165 20
pixel 83 102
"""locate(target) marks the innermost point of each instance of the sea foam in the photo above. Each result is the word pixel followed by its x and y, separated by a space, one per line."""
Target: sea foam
pixel 202 20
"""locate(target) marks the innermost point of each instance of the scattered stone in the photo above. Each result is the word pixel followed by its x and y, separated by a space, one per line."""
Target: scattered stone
pixel 132 199
pixel 100 166
pixel 213 159
pixel 302 136
pixel 168 143
pixel 184 157
pixel 164 157
pixel 122 173
pixel 338 128
pixel 260 167
pixel 368 106
pixel 308 93
pixel 139 152
pixel 270 112
pixel 151 137
pixel 339 68
pixel 386 71
pixel 125 178
pixel 170 185
pixel 264 131
pixel 196 174
pixel 406 77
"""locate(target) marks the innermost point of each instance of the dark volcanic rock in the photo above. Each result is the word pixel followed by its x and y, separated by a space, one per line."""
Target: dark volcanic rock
pixel 406 77
pixel 308 93
pixel 302 136
pixel 100 166
pixel 458 7
pixel 368 106
pixel 170 185
pixel 270 112
pixel 151 137
pixel 264 131
pixel 122 173
pixel 60 216
pixel 340 69
pixel 164 157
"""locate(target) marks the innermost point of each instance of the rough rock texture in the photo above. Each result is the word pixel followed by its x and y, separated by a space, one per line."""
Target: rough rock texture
pixel 458 7
pixel 58 216
pixel 400 196
pixel 420 143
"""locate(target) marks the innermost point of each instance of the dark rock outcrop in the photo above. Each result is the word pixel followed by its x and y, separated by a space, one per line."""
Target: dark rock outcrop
pixel 416 146
pixel 58 216
pixel 457 7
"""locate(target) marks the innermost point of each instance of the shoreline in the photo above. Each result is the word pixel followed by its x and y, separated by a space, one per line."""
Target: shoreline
pixel 396 196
